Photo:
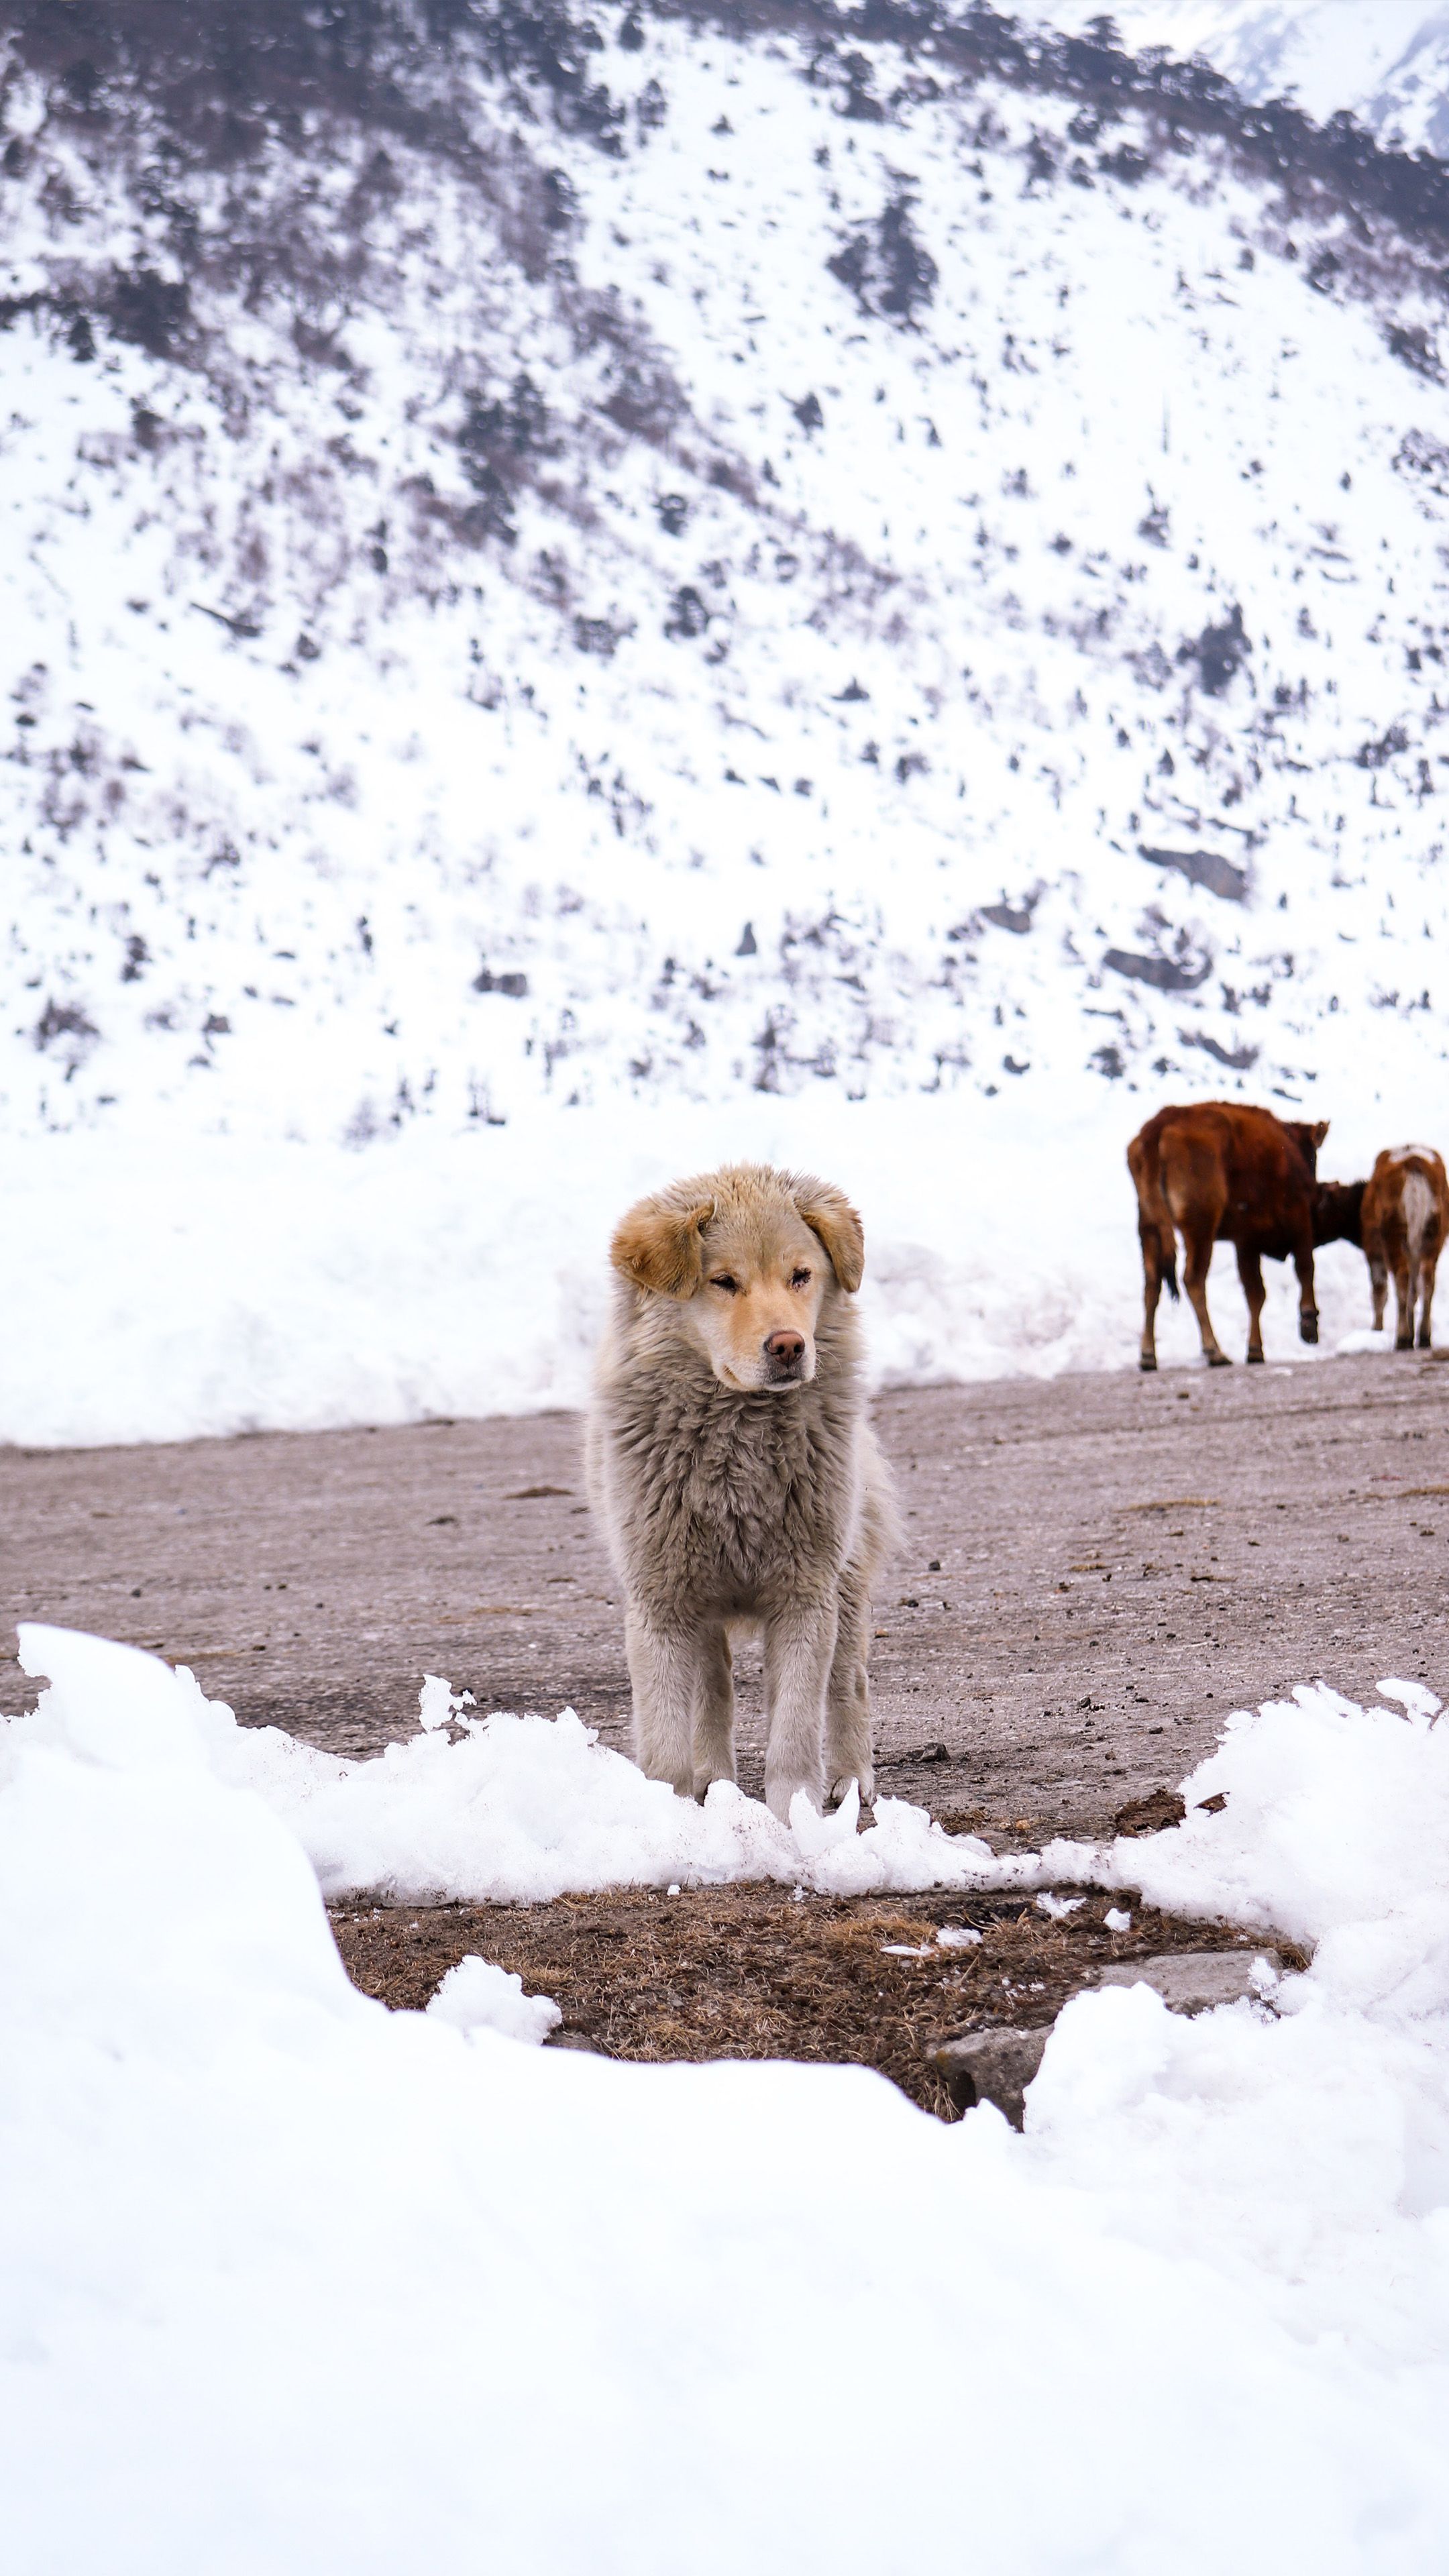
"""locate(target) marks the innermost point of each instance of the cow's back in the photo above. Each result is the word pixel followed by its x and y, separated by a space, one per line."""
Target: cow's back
pixel 1230 1166
pixel 1407 1193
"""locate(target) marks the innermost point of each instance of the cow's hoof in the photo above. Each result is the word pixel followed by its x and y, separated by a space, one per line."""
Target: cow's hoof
pixel 1308 1328
pixel 1218 1359
pixel 1405 1345
pixel 1148 1361
pixel 1255 1359
pixel 1425 1344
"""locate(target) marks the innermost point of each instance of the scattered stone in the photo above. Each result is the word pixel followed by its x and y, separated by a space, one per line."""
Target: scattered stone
pixel 1164 974
pixel 1219 651
pixel 1011 916
pixel 1193 1981
pixel 1238 1059
pixel 990 2066
pixel 1205 868
pixel 1150 1815
pixel 998 2065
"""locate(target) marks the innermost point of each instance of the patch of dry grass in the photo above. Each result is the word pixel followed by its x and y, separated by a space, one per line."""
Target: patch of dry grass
pixel 752 1972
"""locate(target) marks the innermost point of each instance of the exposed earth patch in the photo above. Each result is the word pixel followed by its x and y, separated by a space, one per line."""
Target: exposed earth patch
pixel 753 1972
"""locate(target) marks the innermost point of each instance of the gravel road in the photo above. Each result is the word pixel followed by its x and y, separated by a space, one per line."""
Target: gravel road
pixel 1096 1570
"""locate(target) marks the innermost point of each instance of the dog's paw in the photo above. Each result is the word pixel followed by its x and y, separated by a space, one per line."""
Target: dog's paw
pixel 840 1789
pixel 704 1781
pixel 839 1792
pixel 781 1795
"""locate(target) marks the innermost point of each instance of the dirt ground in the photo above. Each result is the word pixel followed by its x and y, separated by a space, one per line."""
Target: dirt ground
pixel 754 1972
pixel 1095 1572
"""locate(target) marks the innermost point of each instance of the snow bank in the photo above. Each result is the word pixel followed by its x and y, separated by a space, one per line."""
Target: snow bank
pixel 1335 1816
pixel 1311 2150
pixel 297 2284
pixel 517 1809
pixel 174 1287
pixel 1332 1810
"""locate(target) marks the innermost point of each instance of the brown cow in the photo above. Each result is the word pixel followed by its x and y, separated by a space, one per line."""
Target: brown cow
pixel 1405 1220
pixel 1220 1173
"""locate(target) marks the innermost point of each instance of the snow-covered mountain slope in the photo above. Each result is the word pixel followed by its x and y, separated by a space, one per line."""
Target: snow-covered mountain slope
pixel 1386 61
pixel 551 570
pixel 937 594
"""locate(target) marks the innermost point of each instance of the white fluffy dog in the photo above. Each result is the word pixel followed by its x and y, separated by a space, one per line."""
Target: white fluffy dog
pixel 737 1479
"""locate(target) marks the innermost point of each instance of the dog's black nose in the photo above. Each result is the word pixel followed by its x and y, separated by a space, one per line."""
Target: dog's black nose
pixel 786 1347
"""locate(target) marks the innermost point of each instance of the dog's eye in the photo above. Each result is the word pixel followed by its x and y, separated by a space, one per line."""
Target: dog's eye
pixel 729 1285
pixel 800 1279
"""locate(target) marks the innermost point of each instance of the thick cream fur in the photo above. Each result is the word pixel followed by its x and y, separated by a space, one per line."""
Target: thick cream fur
pixel 732 1498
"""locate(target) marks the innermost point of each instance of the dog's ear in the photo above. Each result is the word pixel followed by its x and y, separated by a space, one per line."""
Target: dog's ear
pixel 829 1214
pixel 657 1246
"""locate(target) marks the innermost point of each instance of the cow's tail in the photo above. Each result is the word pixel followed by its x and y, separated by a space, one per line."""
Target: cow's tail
pixel 1418 1205
pixel 1154 1216
pixel 1167 1240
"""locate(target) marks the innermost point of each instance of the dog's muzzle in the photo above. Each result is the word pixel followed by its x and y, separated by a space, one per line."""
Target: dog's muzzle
pixel 784 1359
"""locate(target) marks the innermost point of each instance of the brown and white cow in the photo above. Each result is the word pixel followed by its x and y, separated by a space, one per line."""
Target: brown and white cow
pixel 1218 1172
pixel 1405 1220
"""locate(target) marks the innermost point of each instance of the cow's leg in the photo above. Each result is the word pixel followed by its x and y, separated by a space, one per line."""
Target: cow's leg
pixel 714 1712
pixel 1151 1292
pixel 1426 1308
pixel 1379 1284
pixel 1403 1301
pixel 1199 1247
pixel 847 1699
pixel 799 1653
pixel 1250 1271
pixel 1307 1300
pixel 664 1664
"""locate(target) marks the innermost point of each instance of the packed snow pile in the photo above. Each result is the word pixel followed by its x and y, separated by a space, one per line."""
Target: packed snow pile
pixel 638 2303
pixel 475 1995
pixel 504 1809
pixel 494 1808
pixel 1328 2129
pixel 1336 1817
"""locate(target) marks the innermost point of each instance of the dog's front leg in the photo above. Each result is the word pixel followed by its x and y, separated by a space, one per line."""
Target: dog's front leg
pixel 664 1670
pixel 714 1714
pixel 848 1753
pixel 799 1646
